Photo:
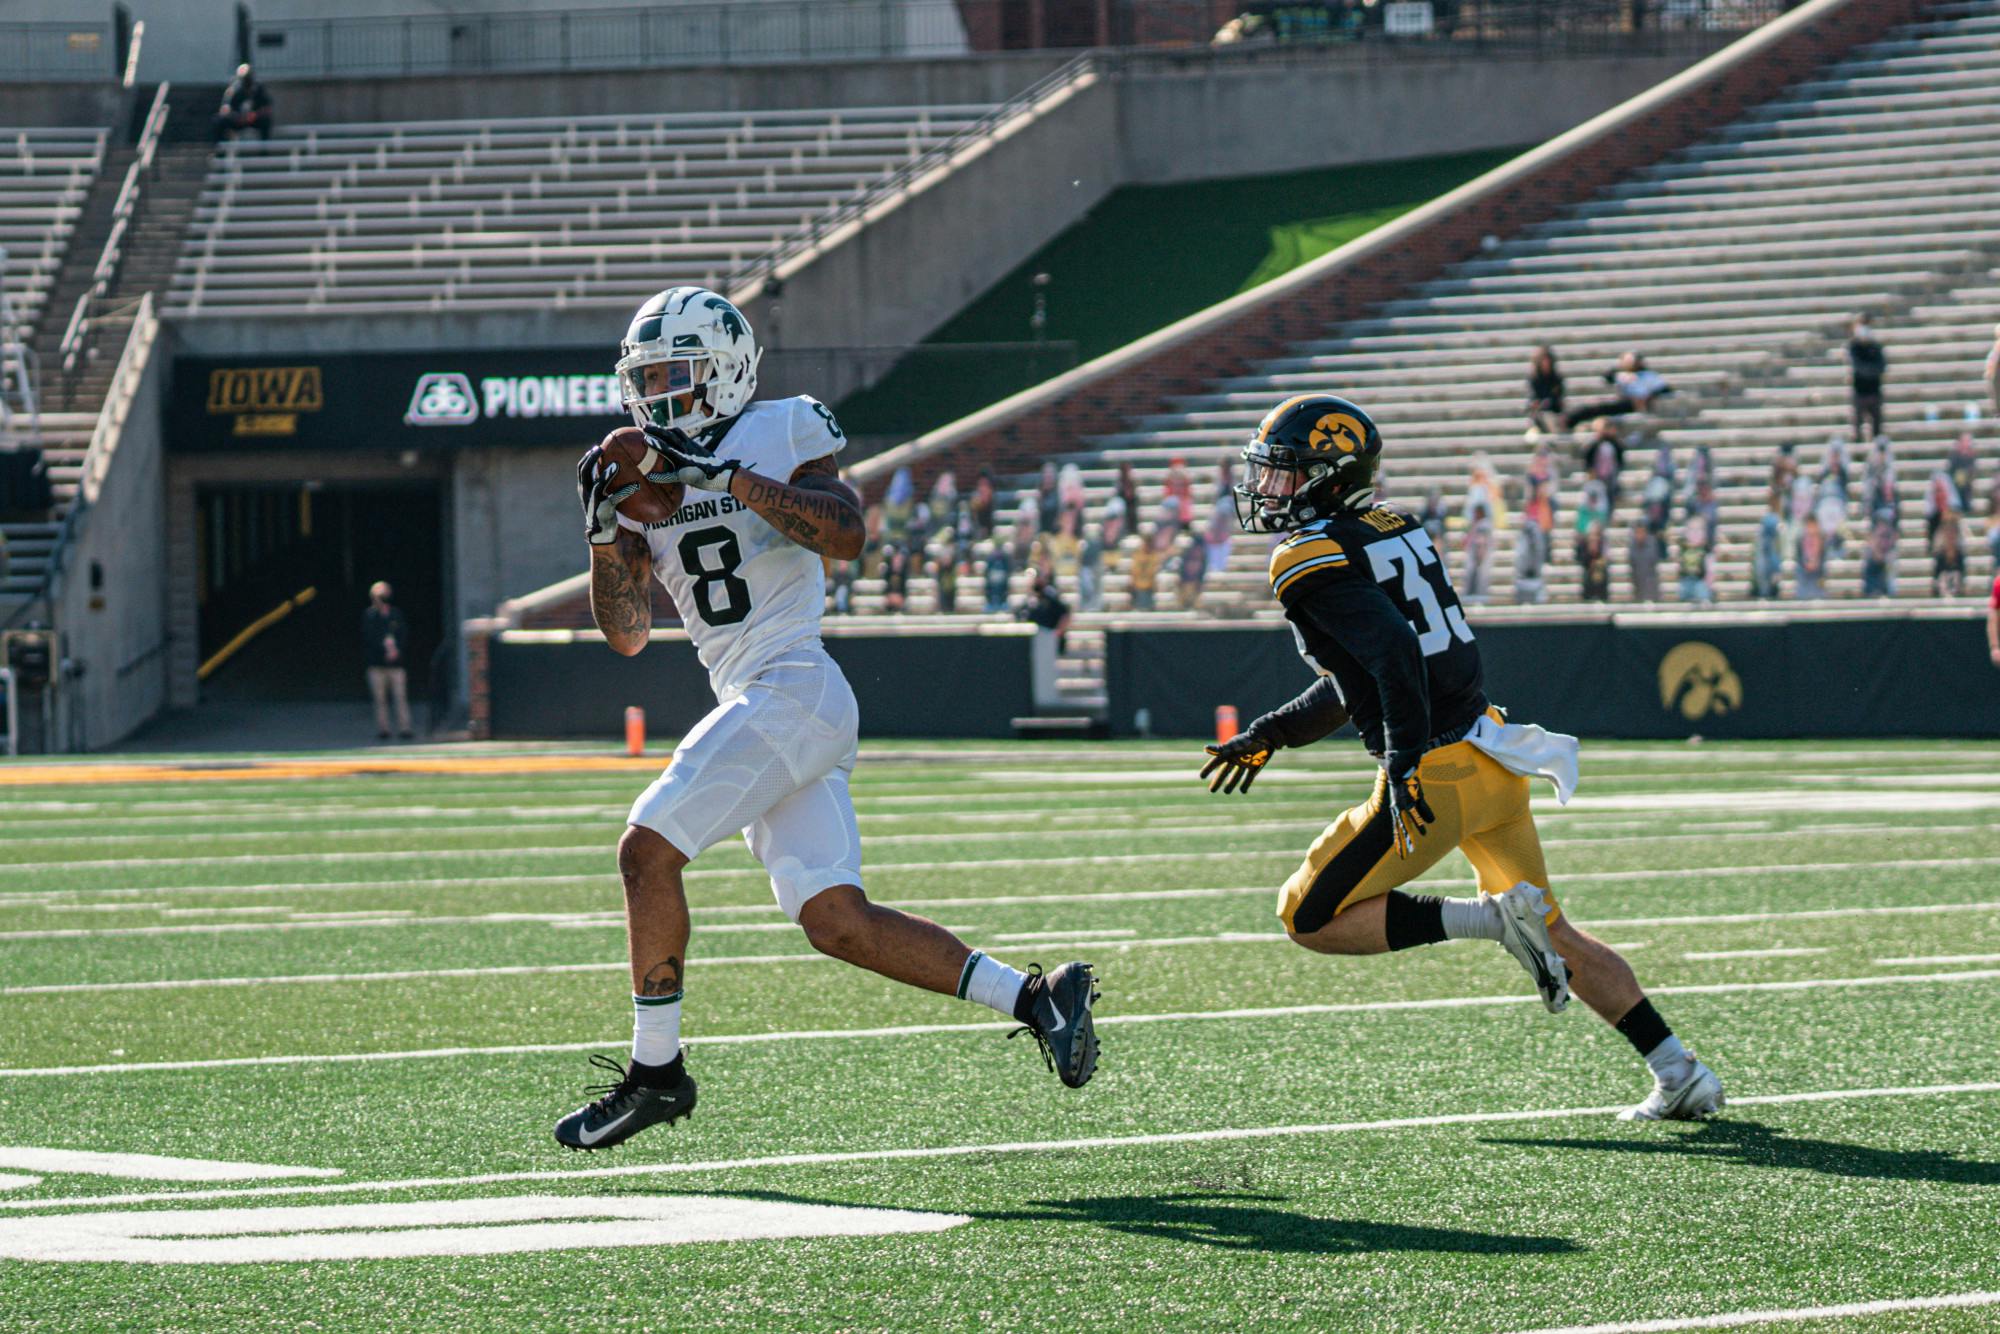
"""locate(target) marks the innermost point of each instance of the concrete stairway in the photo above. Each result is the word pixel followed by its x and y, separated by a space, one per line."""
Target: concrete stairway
pixel 74 277
pixel 71 404
pixel 153 247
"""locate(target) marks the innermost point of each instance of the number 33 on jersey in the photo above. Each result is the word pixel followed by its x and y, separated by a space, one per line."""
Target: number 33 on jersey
pixel 1372 607
pixel 745 591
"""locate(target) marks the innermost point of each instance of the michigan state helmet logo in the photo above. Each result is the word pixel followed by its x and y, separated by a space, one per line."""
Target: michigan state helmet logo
pixel 1336 430
pixel 1697 680
pixel 688 361
pixel 730 318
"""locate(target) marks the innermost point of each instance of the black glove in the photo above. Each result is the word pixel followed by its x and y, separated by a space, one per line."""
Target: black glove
pixel 680 462
pixel 1407 808
pixel 1238 761
pixel 594 473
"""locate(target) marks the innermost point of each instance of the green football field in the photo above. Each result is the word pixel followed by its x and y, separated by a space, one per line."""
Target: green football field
pixel 281 1047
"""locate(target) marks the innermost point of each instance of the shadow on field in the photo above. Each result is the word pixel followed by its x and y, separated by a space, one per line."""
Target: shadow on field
pixel 1755 1145
pixel 1245 1223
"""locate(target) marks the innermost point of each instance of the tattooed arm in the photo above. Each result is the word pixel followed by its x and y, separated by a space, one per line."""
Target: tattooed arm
pixel 621 592
pixel 815 509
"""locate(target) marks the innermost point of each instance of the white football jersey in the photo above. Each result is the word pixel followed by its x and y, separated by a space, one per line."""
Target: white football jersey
pixel 747 593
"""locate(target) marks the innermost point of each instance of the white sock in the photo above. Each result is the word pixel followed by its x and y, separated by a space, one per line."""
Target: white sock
pixel 1669 1061
pixel 1471 919
pixel 656 1028
pixel 991 983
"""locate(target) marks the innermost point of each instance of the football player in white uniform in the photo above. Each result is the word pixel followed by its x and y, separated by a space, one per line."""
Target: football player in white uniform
pixel 741 560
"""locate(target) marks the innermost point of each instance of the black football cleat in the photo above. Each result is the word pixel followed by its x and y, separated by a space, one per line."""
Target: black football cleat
pixel 626 1108
pixel 1058 1015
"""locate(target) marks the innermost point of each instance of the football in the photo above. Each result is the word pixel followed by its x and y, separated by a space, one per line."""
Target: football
pixel 635 456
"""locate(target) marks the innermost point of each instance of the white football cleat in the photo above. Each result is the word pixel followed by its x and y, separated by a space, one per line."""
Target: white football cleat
pixel 1697 1096
pixel 1524 931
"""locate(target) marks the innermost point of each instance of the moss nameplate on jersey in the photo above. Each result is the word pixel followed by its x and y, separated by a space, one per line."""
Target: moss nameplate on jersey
pixel 636 456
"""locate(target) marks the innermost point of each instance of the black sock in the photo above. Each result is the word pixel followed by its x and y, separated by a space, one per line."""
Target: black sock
pixel 1643 1027
pixel 659 1076
pixel 1024 1004
pixel 1409 920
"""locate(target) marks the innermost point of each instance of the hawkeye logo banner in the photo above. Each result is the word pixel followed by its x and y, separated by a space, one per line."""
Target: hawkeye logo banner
pixel 1697 681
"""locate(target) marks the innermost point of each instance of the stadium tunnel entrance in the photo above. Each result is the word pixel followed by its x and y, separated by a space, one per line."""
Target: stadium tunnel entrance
pixel 283 571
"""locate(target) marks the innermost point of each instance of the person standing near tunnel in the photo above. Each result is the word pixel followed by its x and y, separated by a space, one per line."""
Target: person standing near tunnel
pixel 385 647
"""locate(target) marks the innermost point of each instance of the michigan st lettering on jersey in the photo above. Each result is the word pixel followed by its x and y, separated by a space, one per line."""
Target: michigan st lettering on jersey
pixel 745 591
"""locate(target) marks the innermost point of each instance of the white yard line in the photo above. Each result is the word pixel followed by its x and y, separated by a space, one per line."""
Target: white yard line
pixel 604 850
pixel 915 1030
pixel 700 875
pixel 593 839
pixel 479 1226
pixel 971 1150
pixel 1738 1319
pixel 1780 952
pixel 1742 800
pixel 1792 915
pixel 312 979
pixel 150 1167
pixel 605 821
pixel 606 920
pixel 323 923
pixel 364 920
pixel 1082 938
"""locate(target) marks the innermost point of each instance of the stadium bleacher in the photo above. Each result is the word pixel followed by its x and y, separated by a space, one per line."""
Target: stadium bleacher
pixel 44 175
pixel 1734 266
pixel 459 215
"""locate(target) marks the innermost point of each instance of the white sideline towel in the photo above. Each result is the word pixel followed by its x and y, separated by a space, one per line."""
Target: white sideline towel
pixel 1524 748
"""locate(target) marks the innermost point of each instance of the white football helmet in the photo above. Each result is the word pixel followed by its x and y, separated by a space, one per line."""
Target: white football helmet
pixel 707 355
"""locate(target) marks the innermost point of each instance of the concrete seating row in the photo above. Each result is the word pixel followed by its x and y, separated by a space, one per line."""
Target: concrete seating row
pixel 365 218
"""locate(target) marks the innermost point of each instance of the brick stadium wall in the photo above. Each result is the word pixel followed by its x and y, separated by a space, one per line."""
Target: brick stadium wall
pixel 1087 402
pixel 479 677
pixel 559 608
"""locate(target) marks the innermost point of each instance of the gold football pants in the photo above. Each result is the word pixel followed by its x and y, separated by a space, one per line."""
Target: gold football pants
pixel 1480 807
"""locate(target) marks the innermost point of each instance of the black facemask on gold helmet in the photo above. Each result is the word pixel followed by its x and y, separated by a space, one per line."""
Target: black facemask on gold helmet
pixel 1312 456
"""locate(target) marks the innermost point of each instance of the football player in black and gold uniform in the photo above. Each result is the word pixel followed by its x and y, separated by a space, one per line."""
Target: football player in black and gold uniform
pixel 1374 614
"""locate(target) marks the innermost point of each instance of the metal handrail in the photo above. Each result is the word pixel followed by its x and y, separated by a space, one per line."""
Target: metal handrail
pixel 809 235
pixel 132 54
pixel 16 351
pixel 13 711
pixel 97 456
pixel 117 403
pixel 76 335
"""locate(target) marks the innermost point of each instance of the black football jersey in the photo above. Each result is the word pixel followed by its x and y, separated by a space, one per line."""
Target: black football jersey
pixel 1371 606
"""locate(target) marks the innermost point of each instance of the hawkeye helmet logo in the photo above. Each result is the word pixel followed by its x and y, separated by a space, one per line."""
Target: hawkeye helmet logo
pixel 442 400
pixel 264 400
pixel 1336 430
pixel 1697 681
